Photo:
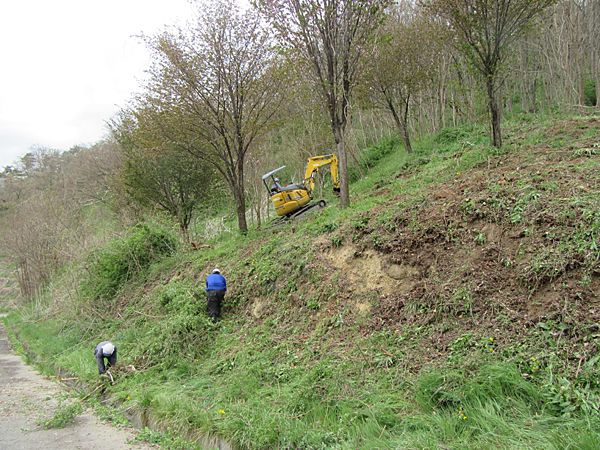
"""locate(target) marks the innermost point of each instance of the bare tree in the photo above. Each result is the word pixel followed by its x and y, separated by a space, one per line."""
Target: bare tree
pixel 403 61
pixel 218 75
pixel 331 35
pixel 485 30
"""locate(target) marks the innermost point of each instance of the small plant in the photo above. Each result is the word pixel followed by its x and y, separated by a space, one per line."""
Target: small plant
pixel 360 224
pixel 587 152
pixel 480 239
pixel 516 214
pixel 110 414
pixel 468 206
pixel 164 440
pixel 378 242
pixel 462 300
pixel 329 227
pixel 63 416
pixel 336 241
pixel 489 345
pixel 313 304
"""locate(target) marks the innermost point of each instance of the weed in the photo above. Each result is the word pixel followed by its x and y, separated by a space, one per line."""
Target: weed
pixel 63 416
pixel 507 262
pixel 110 414
pixel 378 241
pixel 480 238
pixel 524 201
pixel 360 224
pixel 313 304
pixel 594 150
pixel 337 241
pixel 164 440
pixel 461 301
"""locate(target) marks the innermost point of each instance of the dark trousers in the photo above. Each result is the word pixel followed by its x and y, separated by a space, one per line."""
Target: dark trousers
pixel 215 298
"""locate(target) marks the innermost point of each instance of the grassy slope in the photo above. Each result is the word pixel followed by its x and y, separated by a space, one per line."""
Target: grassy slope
pixel 454 305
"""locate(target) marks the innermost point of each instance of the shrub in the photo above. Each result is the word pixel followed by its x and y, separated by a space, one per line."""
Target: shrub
pixel 372 155
pixel 450 135
pixel 589 92
pixel 110 267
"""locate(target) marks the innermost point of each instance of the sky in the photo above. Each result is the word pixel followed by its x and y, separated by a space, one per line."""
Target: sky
pixel 68 66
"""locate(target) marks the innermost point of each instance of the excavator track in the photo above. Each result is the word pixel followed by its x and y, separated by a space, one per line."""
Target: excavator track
pixel 302 211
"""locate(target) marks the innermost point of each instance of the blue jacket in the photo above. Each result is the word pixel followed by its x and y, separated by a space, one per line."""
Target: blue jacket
pixel 216 282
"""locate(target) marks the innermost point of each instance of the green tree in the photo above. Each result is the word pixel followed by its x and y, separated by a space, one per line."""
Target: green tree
pixel 157 173
pixel 218 74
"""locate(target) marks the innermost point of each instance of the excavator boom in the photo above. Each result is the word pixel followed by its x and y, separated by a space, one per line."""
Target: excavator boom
pixel 313 165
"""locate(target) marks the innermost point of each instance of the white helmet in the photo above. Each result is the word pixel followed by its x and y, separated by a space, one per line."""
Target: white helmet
pixel 216 271
pixel 108 349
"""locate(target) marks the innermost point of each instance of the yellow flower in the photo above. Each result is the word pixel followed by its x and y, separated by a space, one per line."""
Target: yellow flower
pixel 221 411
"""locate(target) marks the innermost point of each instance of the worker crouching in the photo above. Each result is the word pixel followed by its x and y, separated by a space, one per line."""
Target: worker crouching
pixel 108 350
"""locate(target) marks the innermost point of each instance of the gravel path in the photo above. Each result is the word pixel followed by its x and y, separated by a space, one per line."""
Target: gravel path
pixel 26 397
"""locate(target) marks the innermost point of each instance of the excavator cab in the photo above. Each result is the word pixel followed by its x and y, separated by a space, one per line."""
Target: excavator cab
pixel 286 199
pixel 293 200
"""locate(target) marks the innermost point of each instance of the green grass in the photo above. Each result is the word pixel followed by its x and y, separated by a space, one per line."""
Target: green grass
pixel 309 373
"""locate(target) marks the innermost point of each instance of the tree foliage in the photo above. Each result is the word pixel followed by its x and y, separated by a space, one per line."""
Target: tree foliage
pixel 403 62
pixel 217 76
pixel 157 173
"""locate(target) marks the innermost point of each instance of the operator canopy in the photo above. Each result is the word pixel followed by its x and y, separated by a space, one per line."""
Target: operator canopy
pixel 272 172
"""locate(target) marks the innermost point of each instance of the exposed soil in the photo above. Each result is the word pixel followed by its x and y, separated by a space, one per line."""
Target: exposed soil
pixel 26 398
pixel 490 253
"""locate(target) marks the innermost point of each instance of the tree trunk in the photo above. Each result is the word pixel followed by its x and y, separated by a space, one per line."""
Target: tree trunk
pixel 343 172
pixel 184 232
pixel 494 113
pixel 240 207
pixel 401 123
pixel 258 222
pixel 240 197
pixel 533 97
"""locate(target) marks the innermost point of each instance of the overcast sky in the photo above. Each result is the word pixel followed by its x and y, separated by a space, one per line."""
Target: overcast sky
pixel 67 66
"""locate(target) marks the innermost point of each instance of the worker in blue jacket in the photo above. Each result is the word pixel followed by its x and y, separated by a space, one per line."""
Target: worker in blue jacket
pixel 216 286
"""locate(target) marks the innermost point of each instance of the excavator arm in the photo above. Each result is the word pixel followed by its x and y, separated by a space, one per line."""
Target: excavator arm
pixel 313 165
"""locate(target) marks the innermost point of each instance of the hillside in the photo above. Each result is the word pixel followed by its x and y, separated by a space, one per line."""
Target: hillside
pixel 456 304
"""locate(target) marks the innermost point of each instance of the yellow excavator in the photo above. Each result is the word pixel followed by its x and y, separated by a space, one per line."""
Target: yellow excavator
pixel 293 200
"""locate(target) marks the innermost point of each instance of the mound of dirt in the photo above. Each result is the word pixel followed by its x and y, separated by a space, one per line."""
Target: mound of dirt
pixel 496 252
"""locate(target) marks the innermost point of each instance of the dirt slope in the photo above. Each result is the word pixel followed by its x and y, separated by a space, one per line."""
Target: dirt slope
pixel 508 248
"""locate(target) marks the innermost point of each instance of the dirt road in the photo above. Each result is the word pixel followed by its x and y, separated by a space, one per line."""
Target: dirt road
pixel 26 397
